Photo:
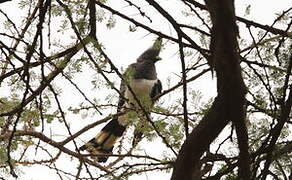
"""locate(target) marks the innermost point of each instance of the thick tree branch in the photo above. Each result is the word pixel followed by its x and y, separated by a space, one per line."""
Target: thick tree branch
pixel 230 102
pixel 92 18
pixel 197 142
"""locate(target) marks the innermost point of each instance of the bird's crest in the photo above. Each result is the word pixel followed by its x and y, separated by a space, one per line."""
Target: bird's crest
pixel 152 53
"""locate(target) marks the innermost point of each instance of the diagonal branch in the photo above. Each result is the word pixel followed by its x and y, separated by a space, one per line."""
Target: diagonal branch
pixel 284 116
pixel 49 78
pixel 59 146
pixel 160 34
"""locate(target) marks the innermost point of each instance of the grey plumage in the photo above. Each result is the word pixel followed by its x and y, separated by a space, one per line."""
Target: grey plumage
pixel 141 76
pixel 152 53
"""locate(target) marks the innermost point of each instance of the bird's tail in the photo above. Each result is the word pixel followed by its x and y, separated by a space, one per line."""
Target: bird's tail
pixel 104 141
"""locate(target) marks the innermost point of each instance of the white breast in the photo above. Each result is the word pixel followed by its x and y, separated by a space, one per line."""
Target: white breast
pixel 142 89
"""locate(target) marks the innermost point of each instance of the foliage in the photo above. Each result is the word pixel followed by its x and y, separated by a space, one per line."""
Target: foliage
pixel 57 79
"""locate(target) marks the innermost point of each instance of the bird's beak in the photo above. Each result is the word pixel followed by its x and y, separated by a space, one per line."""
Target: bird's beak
pixel 157 44
pixel 157 58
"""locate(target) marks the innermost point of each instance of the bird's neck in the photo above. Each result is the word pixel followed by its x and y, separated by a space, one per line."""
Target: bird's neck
pixel 146 70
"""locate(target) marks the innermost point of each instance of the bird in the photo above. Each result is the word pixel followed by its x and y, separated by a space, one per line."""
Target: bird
pixel 139 82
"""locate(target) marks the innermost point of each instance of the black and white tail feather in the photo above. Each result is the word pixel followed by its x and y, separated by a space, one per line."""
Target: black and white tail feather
pixel 142 78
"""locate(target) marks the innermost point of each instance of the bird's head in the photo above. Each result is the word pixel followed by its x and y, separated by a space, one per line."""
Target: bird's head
pixel 152 53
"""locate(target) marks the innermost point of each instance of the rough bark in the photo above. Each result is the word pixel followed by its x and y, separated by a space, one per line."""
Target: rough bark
pixel 229 104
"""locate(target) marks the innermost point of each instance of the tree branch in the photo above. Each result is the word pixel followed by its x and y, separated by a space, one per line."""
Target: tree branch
pixel 248 22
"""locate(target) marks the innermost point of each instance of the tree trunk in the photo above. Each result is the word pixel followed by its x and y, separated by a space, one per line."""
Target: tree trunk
pixel 229 104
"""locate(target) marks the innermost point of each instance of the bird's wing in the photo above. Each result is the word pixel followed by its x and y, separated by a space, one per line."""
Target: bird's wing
pixel 156 89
